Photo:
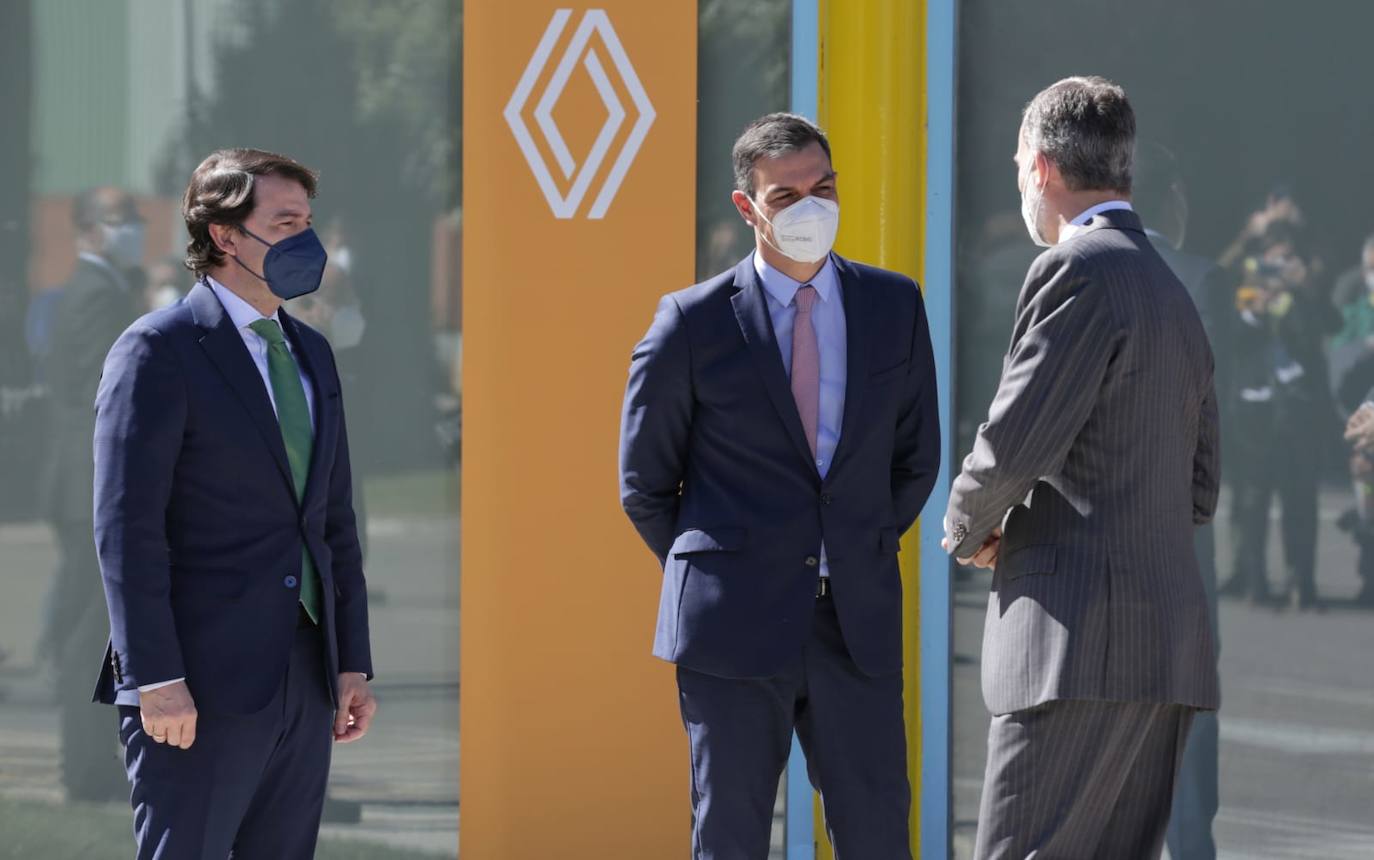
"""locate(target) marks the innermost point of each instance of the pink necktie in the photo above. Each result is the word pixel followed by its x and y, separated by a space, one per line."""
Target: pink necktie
pixel 806 365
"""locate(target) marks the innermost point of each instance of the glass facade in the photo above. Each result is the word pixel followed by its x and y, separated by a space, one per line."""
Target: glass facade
pixel 131 95
pixel 1253 172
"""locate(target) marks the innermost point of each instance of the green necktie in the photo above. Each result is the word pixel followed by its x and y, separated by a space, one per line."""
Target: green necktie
pixel 293 415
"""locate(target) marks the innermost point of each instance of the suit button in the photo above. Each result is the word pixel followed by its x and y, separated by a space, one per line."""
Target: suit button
pixel 826 498
pixel 812 561
pixel 289 582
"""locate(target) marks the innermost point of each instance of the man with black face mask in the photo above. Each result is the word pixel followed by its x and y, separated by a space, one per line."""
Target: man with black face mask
pixel 92 308
pixel 228 545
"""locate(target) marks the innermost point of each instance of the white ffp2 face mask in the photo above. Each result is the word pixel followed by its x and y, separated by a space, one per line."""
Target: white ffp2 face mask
pixel 804 231
pixel 1032 202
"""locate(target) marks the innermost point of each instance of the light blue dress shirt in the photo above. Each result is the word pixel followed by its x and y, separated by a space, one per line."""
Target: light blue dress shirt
pixel 827 318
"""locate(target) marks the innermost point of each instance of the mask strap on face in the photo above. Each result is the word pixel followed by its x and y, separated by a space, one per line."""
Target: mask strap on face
pixel 254 235
pixel 758 210
pixel 241 263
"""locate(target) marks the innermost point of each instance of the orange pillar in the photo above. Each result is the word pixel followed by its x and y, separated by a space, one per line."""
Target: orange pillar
pixel 578 212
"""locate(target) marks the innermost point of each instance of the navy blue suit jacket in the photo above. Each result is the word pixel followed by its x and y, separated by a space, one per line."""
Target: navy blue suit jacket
pixel 717 476
pixel 197 523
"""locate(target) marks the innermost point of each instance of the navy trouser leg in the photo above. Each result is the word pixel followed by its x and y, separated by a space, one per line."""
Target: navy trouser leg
pixel 851 727
pixel 200 803
pixel 283 821
pixel 740 733
pixel 853 731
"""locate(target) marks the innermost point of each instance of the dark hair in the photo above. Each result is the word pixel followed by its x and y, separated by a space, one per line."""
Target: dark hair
pixel 94 205
pixel 221 192
pixel 1087 128
pixel 771 136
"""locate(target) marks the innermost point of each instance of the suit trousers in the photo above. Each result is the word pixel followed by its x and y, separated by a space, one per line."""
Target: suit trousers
pixel 253 784
pixel 851 728
pixel 1081 780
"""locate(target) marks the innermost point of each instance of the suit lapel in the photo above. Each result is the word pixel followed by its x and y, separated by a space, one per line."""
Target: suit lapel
pixel 857 308
pixel 224 346
pixel 751 310
pixel 311 362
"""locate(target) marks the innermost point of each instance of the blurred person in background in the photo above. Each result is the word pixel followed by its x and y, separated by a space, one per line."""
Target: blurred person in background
pixel 165 285
pixel 93 308
pixel 1353 295
pixel 1357 398
pixel 1356 284
pixel 1282 407
pixel 1279 207
pixel 1160 198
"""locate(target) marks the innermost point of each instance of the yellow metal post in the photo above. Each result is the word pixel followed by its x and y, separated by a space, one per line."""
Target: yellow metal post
pixel 872 104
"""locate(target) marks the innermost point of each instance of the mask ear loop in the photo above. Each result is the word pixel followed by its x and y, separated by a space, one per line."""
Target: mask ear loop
pixel 244 229
pixel 764 218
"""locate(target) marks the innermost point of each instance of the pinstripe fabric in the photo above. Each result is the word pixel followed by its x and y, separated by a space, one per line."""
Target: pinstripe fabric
pixel 1081 781
pixel 1099 458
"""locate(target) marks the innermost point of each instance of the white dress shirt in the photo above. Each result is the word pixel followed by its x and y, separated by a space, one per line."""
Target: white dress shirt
pixel 1074 227
pixel 827 318
pixel 243 315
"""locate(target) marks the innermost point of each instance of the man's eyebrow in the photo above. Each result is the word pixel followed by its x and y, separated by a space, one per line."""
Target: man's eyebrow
pixel 788 188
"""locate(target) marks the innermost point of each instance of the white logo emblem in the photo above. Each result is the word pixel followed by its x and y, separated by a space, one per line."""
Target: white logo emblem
pixel 594 21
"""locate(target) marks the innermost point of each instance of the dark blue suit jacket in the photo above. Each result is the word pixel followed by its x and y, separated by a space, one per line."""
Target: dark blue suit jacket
pixel 196 519
pixel 716 474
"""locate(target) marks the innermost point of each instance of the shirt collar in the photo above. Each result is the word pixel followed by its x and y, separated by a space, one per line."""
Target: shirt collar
pixel 240 312
pixel 1074 227
pixel 783 289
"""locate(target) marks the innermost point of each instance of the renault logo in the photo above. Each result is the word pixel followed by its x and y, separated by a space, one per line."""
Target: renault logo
pixel 592 56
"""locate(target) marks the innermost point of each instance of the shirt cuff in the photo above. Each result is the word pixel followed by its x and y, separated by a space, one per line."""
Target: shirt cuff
pixel 148 688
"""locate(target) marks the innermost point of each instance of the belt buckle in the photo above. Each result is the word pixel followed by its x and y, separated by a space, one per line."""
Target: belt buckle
pixel 823 587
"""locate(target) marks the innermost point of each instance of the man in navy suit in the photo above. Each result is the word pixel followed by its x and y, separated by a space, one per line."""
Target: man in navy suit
pixel 224 524
pixel 780 433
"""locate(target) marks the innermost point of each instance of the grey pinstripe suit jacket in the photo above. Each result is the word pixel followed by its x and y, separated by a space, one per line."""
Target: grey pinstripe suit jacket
pixel 1100 452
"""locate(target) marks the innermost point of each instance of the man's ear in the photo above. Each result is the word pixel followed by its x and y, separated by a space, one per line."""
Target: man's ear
pixel 1044 171
pixel 745 207
pixel 226 238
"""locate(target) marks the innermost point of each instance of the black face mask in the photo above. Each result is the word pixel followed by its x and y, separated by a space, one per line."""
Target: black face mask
pixel 293 267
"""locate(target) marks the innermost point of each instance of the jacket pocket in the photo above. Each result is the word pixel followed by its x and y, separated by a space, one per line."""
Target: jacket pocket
pixel 716 539
pixel 1029 560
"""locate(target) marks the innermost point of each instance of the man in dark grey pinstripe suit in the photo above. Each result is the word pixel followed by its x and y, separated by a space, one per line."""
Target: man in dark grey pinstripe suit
pixel 1098 460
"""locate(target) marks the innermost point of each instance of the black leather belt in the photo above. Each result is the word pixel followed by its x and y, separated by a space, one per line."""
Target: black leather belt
pixel 823 587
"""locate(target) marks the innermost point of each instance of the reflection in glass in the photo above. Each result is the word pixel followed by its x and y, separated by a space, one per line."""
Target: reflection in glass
pixel 109 105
